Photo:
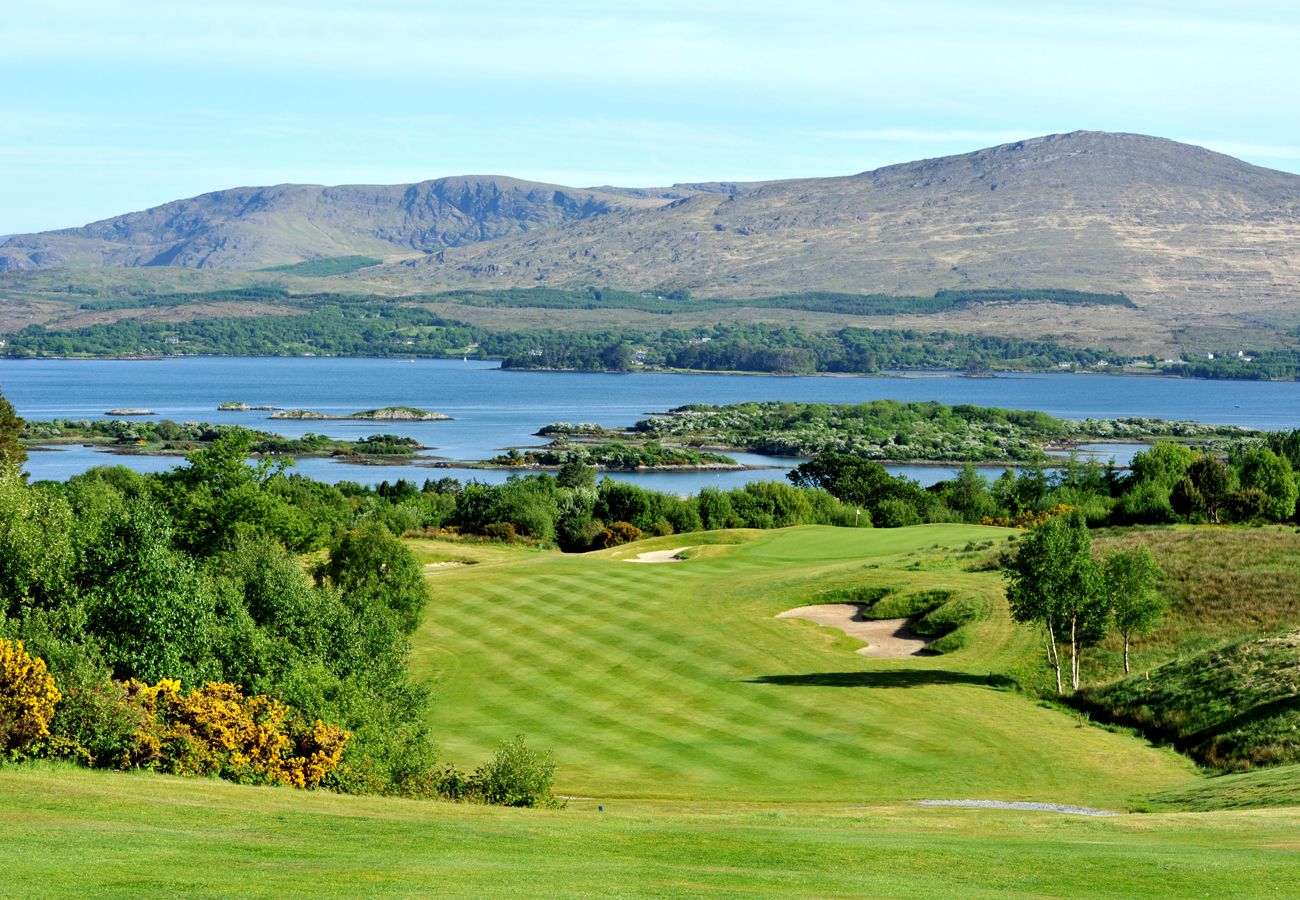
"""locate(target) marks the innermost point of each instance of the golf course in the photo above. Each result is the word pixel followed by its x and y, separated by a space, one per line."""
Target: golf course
pixel 703 745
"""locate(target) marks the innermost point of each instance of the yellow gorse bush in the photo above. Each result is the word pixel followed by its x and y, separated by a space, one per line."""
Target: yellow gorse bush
pixel 1028 519
pixel 27 697
pixel 216 730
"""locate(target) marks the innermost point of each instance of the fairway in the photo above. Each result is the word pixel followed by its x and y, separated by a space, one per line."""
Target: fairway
pixel 676 681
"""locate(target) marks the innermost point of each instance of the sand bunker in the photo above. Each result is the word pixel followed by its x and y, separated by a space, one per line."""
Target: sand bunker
pixel 659 556
pixel 886 638
pixel 1021 805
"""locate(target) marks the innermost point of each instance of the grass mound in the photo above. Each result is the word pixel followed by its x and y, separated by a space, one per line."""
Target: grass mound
pixel 1278 786
pixel 1231 708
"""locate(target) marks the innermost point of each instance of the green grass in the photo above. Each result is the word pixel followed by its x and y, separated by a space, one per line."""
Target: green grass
pixel 324 268
pixel 1235 707
pixel 676 681
pixel 75 832
pixel 732 753
pixel 1223 584
pixel 1272 787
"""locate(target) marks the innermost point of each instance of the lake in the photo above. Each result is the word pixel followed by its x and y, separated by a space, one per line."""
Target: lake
pixel 493 409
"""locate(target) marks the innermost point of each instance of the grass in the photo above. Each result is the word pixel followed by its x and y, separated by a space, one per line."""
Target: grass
pixel 676 681
pixel 95 833
pixel 1223 584
pixel 1274 787
pixel 706 747
pixel 1234 707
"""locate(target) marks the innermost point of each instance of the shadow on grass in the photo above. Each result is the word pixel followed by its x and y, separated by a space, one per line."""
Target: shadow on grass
pixel 897 679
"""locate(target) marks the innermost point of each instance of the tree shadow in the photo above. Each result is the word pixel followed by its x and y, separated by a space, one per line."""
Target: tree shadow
pixel 893 679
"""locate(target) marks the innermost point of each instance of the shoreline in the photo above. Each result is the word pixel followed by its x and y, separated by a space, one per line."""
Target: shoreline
pixel 1111 371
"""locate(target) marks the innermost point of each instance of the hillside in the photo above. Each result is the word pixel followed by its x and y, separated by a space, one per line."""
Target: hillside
pixel 252 227
pixel 1201 242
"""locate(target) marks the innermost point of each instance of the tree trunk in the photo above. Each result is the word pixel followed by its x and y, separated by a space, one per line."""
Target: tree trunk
pixel 1126 653
pixel 1074 653
pixel 1053 656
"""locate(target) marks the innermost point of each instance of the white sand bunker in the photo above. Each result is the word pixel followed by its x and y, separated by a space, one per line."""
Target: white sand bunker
pixel 660 556
pixel 886 638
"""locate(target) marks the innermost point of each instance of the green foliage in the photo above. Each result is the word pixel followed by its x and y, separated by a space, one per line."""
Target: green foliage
pixel 12 454
pixel 517 775
pixel 373 570
pixel 1052 581
pixel 1272 475
pixel 327 266
pixel 1131 577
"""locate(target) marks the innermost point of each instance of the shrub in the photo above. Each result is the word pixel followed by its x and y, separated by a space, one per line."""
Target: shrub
pixel 27 698
pixel 216 730
pixel 516 775
pixel 895 513
pixel 618 533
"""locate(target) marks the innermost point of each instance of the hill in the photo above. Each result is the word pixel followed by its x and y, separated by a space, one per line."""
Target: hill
pixel 255 227
pixel 1201 242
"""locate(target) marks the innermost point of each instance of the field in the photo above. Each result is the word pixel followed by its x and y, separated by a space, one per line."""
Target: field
pixel 705 747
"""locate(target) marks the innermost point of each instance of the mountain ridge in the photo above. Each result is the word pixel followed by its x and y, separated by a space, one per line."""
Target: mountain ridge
pixel 1175 226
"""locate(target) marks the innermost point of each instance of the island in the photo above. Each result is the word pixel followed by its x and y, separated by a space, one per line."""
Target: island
pixel 889 431
pixel 244 407
pixel 129 412
pixel 386 414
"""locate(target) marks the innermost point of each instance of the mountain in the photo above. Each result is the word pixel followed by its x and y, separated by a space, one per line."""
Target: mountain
pixel 1174 226
pixel 254 227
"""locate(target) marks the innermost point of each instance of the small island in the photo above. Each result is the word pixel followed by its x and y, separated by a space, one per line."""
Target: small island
pixel 129 412
pixel 611 456
pixel 386 414
pixel 244 407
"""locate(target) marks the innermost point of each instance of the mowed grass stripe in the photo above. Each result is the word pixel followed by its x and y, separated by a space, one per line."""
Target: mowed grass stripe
pixel 647 680
pixel 661 729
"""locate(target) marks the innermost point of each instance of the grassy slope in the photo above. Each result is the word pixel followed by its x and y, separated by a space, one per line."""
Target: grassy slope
pixel 675 681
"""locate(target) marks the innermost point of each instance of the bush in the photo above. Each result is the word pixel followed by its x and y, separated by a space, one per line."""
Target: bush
pixel 27 698
pixel 618 533
pixel 895 513
pixel 216 730
pixel 516 776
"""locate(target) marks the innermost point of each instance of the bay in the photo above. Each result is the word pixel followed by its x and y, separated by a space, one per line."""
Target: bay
pixel 493 409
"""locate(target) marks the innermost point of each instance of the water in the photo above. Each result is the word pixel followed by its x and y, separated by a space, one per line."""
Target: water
pixel 494 409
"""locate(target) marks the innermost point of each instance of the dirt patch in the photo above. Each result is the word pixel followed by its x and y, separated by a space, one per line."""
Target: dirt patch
pixel 886 638
pixel 659 556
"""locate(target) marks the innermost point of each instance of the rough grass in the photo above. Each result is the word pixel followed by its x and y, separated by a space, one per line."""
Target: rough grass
pixel 1223 583
pixel 676 681
pixel 1235 707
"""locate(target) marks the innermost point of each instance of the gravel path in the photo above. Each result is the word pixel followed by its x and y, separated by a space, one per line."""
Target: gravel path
pixel 1009 804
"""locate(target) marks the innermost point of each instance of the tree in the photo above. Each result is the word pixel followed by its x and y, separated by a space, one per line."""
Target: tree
pixel 1265 470
pixel 12 454
pixel 373 569
pixel 1053 581
pixel 1131 577
pixel 1205 489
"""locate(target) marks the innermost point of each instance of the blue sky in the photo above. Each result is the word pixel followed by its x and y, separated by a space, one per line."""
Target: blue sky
pixel 114 106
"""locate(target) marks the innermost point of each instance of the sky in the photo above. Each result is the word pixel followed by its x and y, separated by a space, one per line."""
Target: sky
pixel 114 106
